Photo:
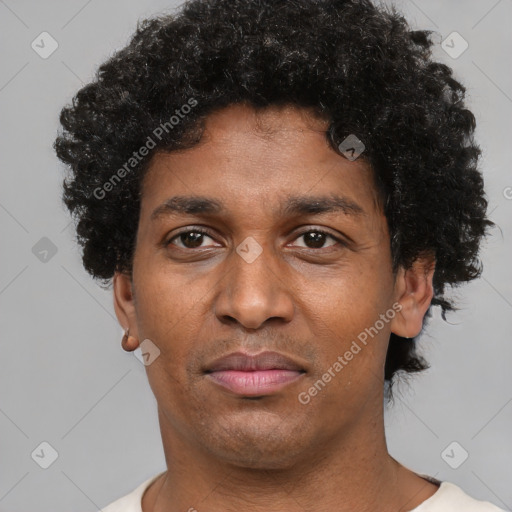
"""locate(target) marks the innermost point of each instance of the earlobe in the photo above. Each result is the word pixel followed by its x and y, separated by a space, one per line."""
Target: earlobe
pixel 414 292
pixel 125 308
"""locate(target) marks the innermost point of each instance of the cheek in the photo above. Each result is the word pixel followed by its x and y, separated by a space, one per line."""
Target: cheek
pixel 165 301
pixel 167 316
pixel 345 315
pixel 353 295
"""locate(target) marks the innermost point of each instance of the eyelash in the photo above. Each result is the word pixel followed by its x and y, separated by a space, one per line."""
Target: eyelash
pixel 205 232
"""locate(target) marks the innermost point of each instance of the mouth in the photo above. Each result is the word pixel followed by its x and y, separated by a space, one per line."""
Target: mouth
pixel 254 375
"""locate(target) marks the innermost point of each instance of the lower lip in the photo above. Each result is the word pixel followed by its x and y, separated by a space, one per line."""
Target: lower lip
pixel 254 383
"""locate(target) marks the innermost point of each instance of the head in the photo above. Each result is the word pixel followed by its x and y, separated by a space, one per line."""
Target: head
pixel 229 122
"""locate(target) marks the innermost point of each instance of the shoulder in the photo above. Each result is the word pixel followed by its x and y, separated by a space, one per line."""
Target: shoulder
pixel 451 498
pixel 131 502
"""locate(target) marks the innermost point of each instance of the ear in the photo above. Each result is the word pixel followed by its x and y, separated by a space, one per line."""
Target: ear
pixel 124 302
pixel 414 292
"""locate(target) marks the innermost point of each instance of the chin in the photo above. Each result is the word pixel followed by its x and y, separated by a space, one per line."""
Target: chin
pixel 263 442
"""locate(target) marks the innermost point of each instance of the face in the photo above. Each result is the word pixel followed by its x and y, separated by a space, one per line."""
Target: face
pixel 277 265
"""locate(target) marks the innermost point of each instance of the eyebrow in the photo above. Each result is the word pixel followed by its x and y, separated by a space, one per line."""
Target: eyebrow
pixel 293 205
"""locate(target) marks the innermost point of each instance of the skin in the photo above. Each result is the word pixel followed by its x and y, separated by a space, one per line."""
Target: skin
pixel 197 299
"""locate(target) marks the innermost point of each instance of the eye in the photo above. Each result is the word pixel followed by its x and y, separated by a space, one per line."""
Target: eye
pixel 190 239
pixel 315 238
pixel 193 239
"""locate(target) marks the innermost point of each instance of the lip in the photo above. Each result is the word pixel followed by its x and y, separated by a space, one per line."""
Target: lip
pixel 243 361
pixel 257 383
pixel 254 375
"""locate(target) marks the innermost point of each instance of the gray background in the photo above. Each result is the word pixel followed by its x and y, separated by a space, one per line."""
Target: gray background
pixel 65 379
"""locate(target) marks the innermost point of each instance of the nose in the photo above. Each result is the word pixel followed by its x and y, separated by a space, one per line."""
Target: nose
pixel 254 292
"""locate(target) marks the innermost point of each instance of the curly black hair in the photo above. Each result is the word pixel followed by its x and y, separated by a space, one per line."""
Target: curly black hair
pixel 357 64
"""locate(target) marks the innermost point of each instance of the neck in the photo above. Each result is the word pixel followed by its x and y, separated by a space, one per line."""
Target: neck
pixel 354 472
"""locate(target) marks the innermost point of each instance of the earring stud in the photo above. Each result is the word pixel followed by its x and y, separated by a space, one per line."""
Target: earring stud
pixel 129 343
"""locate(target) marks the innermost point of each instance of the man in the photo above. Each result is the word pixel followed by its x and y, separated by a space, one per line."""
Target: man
pixel 280 192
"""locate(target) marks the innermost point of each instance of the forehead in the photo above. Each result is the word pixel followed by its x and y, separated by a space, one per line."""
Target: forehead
pixel 248 158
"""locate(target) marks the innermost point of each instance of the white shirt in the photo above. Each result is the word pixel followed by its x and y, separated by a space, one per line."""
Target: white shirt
pixel 448 498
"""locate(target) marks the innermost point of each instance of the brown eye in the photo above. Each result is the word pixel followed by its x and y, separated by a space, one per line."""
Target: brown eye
pixel 315 239
pixel 191 239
